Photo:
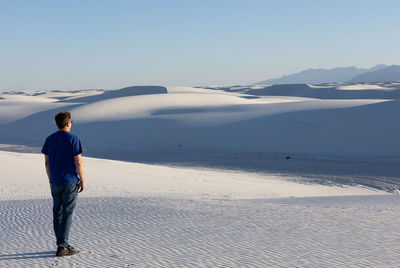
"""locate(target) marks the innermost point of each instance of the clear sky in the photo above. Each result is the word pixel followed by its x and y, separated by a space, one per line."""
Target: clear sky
pixel 111 44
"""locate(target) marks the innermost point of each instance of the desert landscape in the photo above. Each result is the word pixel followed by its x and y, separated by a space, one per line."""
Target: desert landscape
pixel 290 175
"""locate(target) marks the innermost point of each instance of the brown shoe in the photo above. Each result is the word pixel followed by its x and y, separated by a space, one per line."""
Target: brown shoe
pixel 67 251
pixel 71 249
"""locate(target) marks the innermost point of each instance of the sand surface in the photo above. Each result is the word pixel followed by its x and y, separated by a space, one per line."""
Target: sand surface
pixel 138 215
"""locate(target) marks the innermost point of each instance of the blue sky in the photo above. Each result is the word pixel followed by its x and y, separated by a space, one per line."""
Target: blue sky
pixel 112 44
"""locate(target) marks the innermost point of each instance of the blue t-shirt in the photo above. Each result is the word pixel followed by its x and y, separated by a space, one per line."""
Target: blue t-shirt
pixel 62 147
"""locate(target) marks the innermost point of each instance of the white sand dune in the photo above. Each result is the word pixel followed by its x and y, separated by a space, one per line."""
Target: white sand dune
pixel 363 87
pixel 156 124
pixel 135 215
pixel 141 215
pixel 200 109
pixel 153 232
pixel 25 98
pixel 206 119
pixel 116 178
pixel 11 111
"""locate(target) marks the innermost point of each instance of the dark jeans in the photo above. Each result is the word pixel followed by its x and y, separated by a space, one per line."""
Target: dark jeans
pixel 64 200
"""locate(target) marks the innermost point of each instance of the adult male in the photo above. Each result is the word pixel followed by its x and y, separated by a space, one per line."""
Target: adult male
pixel 64 169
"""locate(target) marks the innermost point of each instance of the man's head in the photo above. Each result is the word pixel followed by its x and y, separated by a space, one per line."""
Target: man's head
pixel 63 121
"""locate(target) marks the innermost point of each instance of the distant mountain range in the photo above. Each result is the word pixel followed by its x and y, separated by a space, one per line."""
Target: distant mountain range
pixel 391 73
pixel 378 73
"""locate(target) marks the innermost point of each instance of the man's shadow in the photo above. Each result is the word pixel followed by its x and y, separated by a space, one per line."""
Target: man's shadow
pixel 23 256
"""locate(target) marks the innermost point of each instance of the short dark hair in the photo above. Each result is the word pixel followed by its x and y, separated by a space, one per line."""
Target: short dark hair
pixel 62 119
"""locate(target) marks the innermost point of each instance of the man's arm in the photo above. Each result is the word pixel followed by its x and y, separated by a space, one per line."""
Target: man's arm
pixel 47 164
pixel 79 170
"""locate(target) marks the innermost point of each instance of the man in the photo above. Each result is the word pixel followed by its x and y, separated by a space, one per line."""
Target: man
pixel 64 167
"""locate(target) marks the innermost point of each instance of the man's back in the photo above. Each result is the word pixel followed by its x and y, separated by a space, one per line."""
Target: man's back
pixel 62 147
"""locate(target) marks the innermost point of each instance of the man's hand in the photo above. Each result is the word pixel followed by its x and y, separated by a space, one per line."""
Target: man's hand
pixel 81 186
pixel 47 165
pixel 79 170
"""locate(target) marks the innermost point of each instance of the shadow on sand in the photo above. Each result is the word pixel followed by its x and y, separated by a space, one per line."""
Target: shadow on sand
pixel 31 255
